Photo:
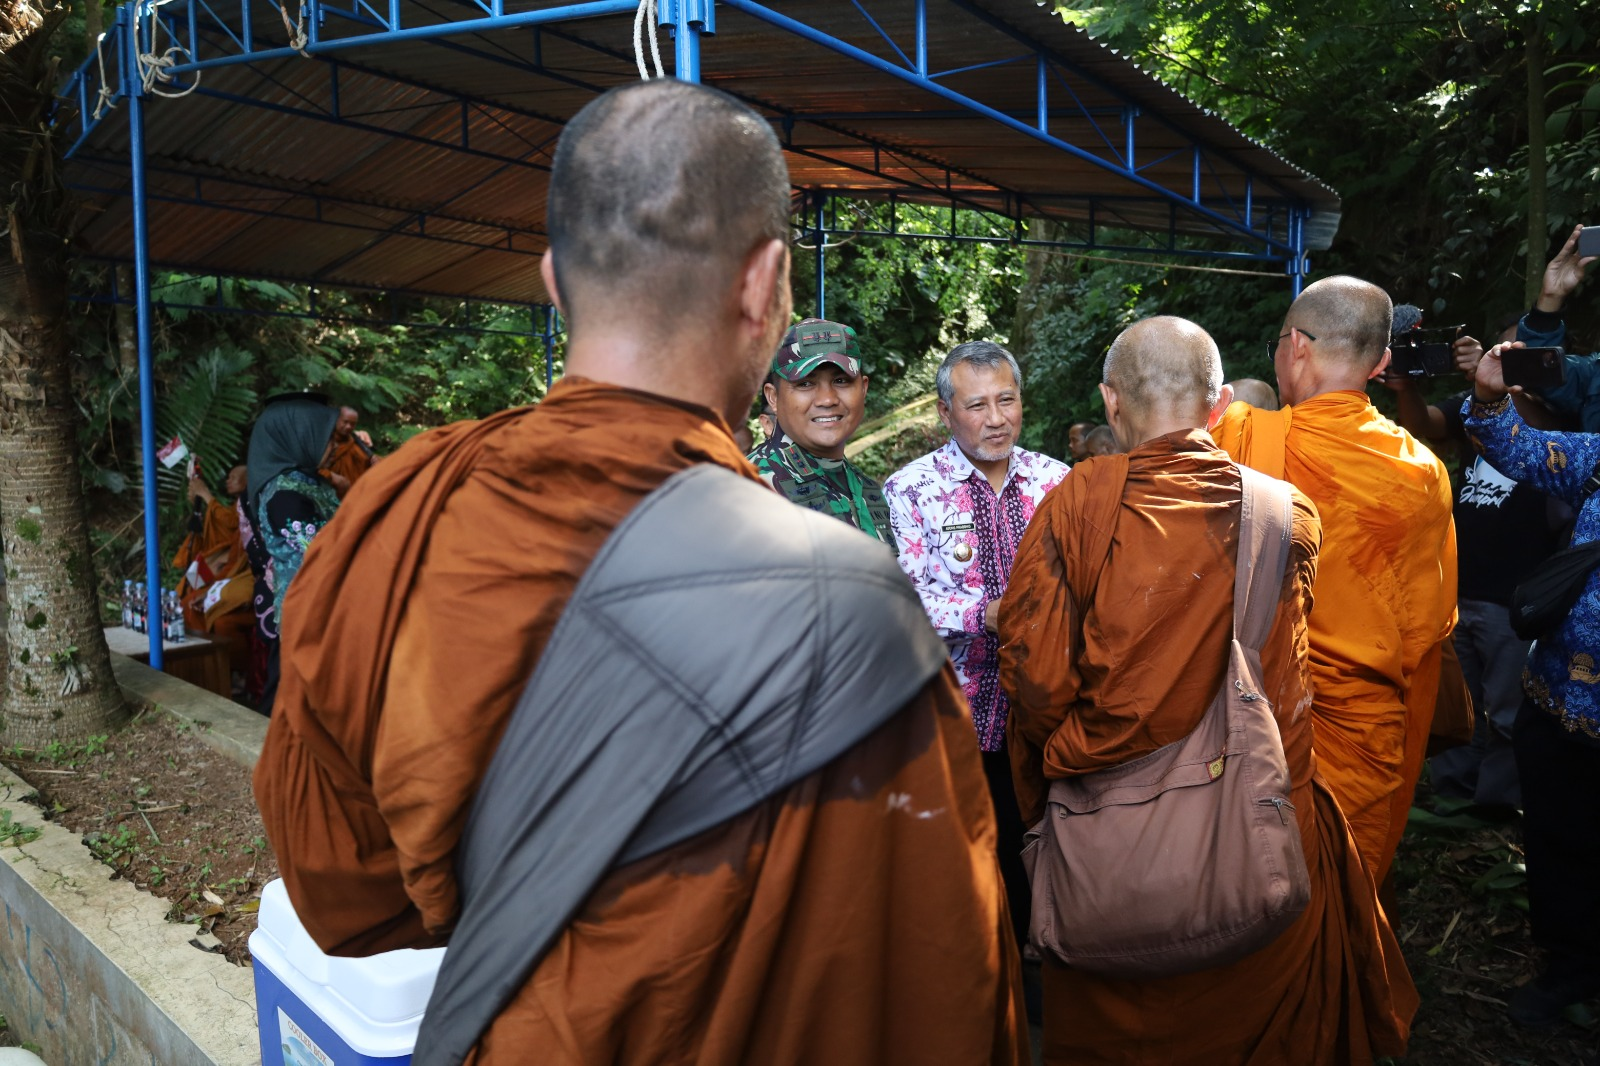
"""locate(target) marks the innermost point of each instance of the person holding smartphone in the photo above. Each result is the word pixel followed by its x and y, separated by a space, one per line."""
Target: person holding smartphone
pixel 1578 396
pixel 1556 736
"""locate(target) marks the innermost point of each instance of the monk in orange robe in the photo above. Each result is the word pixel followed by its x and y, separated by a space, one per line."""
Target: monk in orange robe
pixel 1386 586
pixel 857 917
pixel 351 455
pixel 1136 671
pixel 216 589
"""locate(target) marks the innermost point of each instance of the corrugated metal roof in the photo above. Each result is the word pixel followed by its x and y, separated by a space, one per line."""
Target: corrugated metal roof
pixel 430 172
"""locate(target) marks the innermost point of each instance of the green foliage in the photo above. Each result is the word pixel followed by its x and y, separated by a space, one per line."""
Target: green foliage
pixel 14 834
pixel 209 407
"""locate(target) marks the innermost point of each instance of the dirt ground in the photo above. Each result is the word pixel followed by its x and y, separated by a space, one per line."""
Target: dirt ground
pixel 166 812
pixel 1462 920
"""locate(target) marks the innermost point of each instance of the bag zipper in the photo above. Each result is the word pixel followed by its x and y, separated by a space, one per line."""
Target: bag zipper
pixel 1278 804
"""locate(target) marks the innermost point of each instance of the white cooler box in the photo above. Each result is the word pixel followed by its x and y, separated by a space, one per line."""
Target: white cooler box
pixel 318 1010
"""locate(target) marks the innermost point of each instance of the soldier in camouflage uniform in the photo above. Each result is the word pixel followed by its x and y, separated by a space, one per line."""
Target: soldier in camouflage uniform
pixel 818 395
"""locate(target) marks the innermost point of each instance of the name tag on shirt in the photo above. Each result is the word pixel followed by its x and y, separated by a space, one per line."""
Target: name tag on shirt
pixel 958 527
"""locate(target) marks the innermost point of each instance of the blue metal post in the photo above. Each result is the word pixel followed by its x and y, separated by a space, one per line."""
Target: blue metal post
pixel 133 88
pixel 1297 241
pixel 689 19
pixel 549 346
pixel 822 267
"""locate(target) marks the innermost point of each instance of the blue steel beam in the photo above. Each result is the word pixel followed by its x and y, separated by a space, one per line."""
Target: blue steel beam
pixel 912 77
pixel 687 45
pixel 1012 202
pixel 134 91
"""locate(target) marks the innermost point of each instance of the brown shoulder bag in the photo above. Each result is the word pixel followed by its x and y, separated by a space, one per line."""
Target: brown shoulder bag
pixel 1187 858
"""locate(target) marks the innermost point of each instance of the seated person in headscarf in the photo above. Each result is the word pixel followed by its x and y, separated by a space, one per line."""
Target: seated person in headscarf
pixel 289 500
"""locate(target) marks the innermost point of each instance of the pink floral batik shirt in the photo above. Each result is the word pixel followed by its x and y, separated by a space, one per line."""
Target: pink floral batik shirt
pixel 958 539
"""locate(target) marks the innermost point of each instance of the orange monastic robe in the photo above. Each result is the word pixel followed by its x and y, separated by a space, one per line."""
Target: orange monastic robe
pixel 1386 594
pixel 1137 673
pixel 348 461
pixel 218 545
pixel 856 919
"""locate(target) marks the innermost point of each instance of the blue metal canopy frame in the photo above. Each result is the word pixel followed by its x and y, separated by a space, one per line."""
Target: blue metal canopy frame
pixel 911 102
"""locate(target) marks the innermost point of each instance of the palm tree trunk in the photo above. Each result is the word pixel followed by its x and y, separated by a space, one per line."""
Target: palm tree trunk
pixel 58 682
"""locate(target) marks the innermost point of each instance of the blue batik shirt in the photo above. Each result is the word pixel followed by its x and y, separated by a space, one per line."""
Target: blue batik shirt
pixel 1562 674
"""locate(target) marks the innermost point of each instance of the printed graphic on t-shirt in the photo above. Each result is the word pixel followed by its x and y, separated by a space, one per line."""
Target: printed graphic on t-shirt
pixel 1484 486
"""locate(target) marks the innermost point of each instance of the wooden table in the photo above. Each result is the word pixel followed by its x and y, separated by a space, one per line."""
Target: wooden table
pixel 197 660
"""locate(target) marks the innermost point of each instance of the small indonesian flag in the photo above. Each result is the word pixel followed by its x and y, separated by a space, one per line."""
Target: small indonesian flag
pixel 172 453
pixel 198 575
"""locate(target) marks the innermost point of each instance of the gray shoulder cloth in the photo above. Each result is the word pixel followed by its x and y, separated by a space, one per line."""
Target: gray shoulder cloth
pixel 723 645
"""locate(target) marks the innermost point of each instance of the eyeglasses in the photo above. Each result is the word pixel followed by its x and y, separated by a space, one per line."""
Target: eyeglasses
pixel 1272 346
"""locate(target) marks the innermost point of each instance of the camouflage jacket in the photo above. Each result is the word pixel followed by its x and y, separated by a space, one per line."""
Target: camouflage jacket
pixel 831 486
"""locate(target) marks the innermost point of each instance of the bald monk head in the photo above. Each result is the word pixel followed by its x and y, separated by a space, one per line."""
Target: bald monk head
pixel 1162 375
pixel 660 294
pixel 1099 441
pixel 345 428
pixel 1255 392
pixel 238 479
pixel 1335 337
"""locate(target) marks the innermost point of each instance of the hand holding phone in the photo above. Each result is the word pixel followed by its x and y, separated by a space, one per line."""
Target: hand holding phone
pixel 1535 369
pixel 1589 242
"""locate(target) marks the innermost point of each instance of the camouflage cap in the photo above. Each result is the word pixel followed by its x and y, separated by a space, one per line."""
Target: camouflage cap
pixel 813 342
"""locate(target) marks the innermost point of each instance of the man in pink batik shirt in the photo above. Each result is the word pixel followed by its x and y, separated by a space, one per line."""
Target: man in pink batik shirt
pixel 958 514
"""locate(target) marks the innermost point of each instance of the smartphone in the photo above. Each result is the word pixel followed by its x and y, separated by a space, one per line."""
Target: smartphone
pixel 1534 368
pixel 1589 242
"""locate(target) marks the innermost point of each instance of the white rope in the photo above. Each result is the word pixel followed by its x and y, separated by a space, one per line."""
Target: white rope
pixel 647 11
pixel 106 98
pixel 156 66
pixel 297 28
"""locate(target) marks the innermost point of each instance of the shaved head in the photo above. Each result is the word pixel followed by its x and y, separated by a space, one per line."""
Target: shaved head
pixel 1164 365
pixel 1349 318
pixel 660 191
pixel 1100 441
pixel 1256 393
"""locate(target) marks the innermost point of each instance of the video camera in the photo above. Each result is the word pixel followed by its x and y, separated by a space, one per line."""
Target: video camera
pixel 1415 352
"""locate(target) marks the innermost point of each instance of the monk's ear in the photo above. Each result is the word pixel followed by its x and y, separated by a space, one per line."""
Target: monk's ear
pixel 1383 364
pixel 1113 406
pixel 547 271
pixel 765 269
pixel 1224 398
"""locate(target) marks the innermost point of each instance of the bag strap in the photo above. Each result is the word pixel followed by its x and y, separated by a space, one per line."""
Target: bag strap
pixel 1265 524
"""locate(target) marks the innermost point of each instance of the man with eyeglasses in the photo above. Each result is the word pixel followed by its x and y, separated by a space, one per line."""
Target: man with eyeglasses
pixel 1385 595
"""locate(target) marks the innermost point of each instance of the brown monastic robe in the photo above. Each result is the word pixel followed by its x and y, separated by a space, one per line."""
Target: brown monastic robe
pixel 857 918
pixel 1333 989
pixel 349 461
pixel 230 619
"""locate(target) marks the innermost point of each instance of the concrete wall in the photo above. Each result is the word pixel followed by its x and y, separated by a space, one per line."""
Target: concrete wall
pixel 90 969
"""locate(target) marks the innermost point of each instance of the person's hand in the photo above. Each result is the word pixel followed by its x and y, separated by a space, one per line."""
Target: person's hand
pixel 1489 382
pixel 1396 382
pixel 197 489
pixel 991 616
pixel 341 484
pixel 364 437
pixel 1467 352
pixel 1562 275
